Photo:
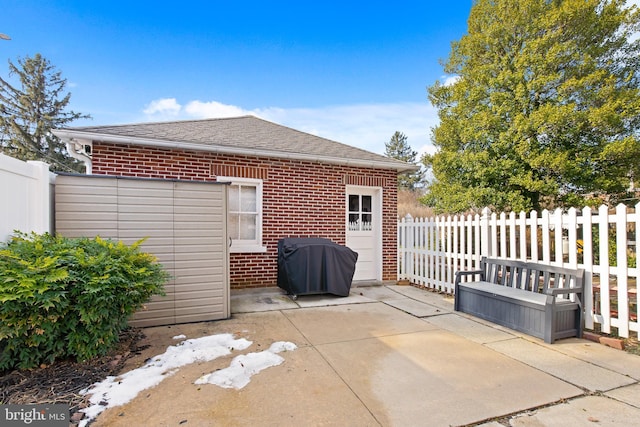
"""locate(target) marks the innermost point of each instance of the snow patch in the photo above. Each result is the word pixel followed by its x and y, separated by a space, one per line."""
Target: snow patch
pixel 243 367
pixel 116 391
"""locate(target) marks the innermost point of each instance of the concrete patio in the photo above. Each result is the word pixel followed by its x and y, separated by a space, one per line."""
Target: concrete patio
pixel 387 356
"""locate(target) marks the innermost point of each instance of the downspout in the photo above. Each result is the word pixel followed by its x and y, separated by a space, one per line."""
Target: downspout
pixel 81 149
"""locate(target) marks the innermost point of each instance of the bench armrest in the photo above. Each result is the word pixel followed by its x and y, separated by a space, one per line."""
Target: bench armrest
pixel 564 291
pixel 554 292
pixel 468 273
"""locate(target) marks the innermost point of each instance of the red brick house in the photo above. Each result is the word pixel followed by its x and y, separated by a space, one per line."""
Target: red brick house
pixel 284 183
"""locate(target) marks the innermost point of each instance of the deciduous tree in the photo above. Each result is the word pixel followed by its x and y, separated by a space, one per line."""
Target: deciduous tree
pixel 545 111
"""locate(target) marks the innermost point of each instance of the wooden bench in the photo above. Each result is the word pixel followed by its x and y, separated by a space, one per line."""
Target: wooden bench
pixel 529 297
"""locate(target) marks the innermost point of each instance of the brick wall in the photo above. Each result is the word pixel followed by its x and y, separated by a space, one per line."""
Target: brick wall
pixel 300 198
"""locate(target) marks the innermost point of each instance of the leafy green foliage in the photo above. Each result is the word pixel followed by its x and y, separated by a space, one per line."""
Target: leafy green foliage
pixel 545 109
pixel 398 148
pixel 28 113
pixel 612 245
pixel 62 297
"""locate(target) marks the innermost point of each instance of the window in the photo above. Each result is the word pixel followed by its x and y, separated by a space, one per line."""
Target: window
pixel 360 212
pixel 244 214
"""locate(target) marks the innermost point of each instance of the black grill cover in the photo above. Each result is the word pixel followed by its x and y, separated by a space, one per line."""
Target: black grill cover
pixel 315 266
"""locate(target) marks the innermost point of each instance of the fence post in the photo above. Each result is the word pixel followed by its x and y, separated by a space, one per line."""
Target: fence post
pixel 485 237
pixel 40 198
pixel 408 246
pixel 24 197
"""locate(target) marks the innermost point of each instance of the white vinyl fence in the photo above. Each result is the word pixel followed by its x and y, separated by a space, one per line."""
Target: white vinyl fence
pixel 25 197
pixel 603 242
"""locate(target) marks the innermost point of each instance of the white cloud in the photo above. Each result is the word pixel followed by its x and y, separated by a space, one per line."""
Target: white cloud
pixel 199 109
pixel 162 108
pixel 367 126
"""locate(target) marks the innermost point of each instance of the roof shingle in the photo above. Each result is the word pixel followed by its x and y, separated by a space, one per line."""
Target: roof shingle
pixel 238 133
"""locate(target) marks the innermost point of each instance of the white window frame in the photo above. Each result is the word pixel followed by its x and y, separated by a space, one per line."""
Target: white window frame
pixel 248 246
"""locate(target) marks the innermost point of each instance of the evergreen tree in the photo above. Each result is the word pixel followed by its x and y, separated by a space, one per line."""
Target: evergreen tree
pixel 398 148
pixel 546 108
pixel 30 111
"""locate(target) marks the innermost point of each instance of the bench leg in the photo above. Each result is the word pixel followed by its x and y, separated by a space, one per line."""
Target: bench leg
pixel 579 325
pixel 549 318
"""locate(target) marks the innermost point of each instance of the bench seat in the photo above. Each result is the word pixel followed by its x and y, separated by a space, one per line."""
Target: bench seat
pixel 549 315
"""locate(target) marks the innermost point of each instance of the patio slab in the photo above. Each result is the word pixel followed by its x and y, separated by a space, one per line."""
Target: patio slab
pixel 601 355
pixel 568 368
pixel 442 301
pixel 436 378
pixel 378 293
pixel 361 361
pixel 469 329
pixel 304 390
pixel 415 308
pixel 263 301
pixel 629 394
pixel 323 325
pixel 585 411
pixel 306 301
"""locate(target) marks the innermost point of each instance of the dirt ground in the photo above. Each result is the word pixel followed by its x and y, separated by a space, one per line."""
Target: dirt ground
pixel 62 381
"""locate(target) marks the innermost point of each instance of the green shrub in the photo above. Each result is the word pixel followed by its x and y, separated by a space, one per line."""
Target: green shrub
pixel 69 297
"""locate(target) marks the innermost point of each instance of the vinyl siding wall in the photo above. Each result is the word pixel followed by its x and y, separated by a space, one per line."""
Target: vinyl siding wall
pixel 185 227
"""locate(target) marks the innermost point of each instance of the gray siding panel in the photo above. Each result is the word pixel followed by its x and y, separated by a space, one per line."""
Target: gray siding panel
pixel 199 221
pixel 185 227
pixel 97 198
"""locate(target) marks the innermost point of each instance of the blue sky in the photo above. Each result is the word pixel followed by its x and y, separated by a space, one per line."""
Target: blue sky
pixel 355 72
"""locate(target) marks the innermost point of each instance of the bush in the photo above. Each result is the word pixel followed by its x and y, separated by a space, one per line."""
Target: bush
pixel 69 297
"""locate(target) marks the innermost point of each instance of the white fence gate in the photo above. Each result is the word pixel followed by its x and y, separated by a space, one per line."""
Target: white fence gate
pixel 602 242
pixel 25 197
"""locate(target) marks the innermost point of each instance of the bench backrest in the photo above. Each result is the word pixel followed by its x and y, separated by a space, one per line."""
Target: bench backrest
pixel 529 276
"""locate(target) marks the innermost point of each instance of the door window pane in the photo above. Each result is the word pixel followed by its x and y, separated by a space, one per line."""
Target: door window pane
pixel 366 203
pixel 354 222
pixel 366 222
pixel 354 203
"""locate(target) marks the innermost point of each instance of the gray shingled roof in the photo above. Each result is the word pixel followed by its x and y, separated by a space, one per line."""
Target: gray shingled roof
pixel 236 135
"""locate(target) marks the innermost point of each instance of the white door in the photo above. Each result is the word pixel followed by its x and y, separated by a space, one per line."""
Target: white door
pixel 364 230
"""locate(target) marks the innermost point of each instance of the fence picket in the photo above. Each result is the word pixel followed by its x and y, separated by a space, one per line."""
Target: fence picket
pixel 587 261
pixel 621 272
pixel 603 241
pixel 431 250
pixel 533 230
